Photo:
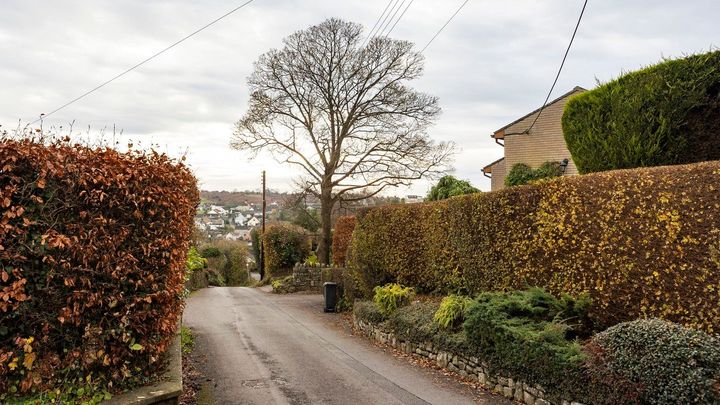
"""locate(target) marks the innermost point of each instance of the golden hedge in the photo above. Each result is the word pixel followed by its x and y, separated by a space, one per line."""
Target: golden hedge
pixel 641 242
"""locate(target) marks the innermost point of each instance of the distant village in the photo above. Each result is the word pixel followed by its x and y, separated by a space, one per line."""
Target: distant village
pixel 232 223
pixel 219 215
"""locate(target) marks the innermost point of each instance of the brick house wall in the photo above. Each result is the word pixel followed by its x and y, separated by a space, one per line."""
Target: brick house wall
pixel 545 141
pixel 497 181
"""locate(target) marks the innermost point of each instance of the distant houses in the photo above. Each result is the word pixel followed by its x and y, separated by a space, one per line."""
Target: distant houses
pixel 238 234
pixel 231 223
pixel 414 199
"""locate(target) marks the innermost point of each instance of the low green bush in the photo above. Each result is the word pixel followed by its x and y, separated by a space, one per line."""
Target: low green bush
pixel 655 362
pixel 210 251
pixel 390 297
pixel 518 175
pixel 521 173
pixel 520 334
pixel 226 263
pixel 367 311
pixel 282 285
pixel 416 323
pixel 452 311
pixel 312 260
pixel 195 276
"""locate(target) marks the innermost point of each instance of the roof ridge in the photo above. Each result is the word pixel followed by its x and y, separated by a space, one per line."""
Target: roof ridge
pixel 575 89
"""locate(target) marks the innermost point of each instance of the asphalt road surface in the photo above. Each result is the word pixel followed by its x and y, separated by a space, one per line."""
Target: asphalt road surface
pixel 261 348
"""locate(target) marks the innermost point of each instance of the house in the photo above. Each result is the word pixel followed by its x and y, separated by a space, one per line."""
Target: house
pixel 217 210
pixel 238 234
pixel 252 222
pixel 531 144
pixel 213 224
pixel 245 208
pixel 240 220
pixel 412 198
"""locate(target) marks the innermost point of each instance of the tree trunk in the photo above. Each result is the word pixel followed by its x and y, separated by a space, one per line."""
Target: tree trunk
pixel 326 207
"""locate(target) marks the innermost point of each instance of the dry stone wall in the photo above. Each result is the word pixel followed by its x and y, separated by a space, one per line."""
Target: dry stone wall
pixel 466 366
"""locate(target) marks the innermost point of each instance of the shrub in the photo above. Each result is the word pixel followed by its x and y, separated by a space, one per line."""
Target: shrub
pixel 661 115
pixel 255 246
pixel 283 285
pixel 210 252
pixel 342 235
pixel 521 173
pixel 390 297
pixel 195 275
pixel 194 262
pixel 449 186
pixel 518 334
pixel 655 361
pixel 284 246
pixel 367 311
pixel 452 311
pixel 226 262
pixel 94 250
pixel 639 242
pixel 311 260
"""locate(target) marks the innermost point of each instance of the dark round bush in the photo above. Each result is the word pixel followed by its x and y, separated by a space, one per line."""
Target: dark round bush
pixel 656 361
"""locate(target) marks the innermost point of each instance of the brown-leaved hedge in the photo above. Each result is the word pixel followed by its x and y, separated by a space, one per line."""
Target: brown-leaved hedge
pixel 342 236
pixel 93 244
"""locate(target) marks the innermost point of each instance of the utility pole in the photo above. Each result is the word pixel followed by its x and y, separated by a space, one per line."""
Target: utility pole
pixel 264 206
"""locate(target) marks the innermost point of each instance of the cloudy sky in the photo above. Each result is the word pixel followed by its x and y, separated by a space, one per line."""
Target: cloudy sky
pixel 492 64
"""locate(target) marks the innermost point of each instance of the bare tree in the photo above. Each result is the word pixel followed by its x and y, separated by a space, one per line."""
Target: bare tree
pixel 343 114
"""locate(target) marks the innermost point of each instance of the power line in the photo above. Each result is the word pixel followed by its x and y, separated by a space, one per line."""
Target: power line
pixel 557 76
pixel 376 23
pixel 382 23
pixel 174 44
pixel 443 27
pixel 391 19
pixel 399 18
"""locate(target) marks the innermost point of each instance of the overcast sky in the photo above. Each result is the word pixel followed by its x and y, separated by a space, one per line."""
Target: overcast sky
pixel 494 63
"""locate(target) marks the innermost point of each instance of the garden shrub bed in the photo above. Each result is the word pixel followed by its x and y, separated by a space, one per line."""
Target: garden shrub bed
pixel 414 329
pixel 641 243
pixel 93 246
pixel 516 344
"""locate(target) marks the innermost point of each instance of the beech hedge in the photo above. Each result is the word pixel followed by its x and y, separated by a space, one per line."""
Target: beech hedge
pixel 93 247
pixel 664 114
pixel 342 235
pixel 639 243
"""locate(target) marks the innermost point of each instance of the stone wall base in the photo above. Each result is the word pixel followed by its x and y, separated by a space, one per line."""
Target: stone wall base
pixel 466 366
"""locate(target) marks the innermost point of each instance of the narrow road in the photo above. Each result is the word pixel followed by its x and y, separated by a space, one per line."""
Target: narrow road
pixel 262 348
